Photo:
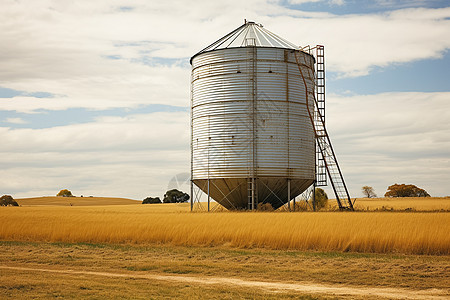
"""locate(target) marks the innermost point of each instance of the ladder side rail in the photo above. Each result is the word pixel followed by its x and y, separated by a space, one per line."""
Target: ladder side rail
pixel 332 155
pixel 327 143
pixel 314 128
pixel 321 172
pixel 333 183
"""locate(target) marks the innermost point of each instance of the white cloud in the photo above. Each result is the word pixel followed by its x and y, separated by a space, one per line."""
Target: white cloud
pixel 379 140
pixel 65 48
pixel 337 2
pixel 355 44
pixel 396 4
pixel 332 2
pixel 15 121
pixel 151 132
pixel 132 156
pixel 392 138
pixel 303 1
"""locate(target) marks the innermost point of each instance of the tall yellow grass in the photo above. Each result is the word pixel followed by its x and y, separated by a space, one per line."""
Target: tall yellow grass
pixel 414 203
pixel 410 233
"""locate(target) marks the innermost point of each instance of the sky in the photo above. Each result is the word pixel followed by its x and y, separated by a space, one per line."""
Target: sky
pixel 94 95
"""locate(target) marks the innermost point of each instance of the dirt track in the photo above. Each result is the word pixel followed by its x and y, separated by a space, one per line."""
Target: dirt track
pixel 330 290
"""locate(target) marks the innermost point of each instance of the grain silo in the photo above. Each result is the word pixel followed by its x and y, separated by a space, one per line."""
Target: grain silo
pixel 252 135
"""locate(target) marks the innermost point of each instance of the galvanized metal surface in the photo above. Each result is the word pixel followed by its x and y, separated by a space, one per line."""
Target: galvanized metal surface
pixel 249 34
pixel 222 116
pixel 249 120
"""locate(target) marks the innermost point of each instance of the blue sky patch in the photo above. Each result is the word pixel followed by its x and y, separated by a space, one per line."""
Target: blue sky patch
pixel 430 75
pixel 113 57
pixel 363 6
pixel 10 93
pixel 162 61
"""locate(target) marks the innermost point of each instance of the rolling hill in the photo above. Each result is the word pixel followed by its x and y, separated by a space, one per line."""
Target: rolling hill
pixel 75 201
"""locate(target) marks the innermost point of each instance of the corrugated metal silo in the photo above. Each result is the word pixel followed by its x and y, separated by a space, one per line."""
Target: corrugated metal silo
pixel 252 139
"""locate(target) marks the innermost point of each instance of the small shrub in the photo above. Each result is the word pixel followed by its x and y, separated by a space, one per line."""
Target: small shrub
pixel 64 193
pixel 150 200
pixel 265 207
pixel 301 206
pixel 175 196
pixel 7 200
pixel 321 198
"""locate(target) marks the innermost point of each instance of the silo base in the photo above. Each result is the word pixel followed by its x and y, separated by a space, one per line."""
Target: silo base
pixel 232 193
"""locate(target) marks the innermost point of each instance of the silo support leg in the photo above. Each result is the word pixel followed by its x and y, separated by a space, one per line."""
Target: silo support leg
pixel 314 196
pixel 254 194
pixel 209 197
pixel 289 194
pixel 192 196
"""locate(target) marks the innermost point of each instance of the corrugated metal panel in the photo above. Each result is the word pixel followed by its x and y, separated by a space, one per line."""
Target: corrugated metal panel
pixel 222 124
pixel 249 34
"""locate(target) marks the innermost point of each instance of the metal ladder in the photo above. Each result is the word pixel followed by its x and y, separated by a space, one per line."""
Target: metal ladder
pixel 323 141
pixel 321 171
pixel 251 181
pixel 251 193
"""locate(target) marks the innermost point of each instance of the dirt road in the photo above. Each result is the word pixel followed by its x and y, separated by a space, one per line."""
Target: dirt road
pixel 302 287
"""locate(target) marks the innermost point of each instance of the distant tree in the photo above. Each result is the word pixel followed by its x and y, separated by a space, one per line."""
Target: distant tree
pixel 64 193
pixel 175 196
pixel 150 200
pixel 7 200
pixel 321 198
pixel 368 191
pixel 405 190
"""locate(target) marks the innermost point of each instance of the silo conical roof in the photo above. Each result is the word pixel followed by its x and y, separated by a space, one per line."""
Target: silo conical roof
pixel 249 34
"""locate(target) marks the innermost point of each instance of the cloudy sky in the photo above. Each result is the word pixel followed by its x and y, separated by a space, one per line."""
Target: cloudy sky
pixel 94 95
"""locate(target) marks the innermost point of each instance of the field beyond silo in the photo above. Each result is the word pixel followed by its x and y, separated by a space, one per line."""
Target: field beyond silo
pixel 368 232
pixel 163 251
pixel 74 201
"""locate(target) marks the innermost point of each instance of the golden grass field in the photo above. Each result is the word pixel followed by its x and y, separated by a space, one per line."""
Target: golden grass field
pixel 173 224
pixel 413 203
pixel 111 248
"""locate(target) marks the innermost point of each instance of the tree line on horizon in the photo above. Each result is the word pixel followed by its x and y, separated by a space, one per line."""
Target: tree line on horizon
pixel 171 196
pixel 397 190
pixel 176 196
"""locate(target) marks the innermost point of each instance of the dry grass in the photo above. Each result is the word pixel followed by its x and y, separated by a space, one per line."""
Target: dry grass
pixel 387 270
pixel 22 284
pixel 74 201
pixel 406 203
pixel 353 270
pixel 415 233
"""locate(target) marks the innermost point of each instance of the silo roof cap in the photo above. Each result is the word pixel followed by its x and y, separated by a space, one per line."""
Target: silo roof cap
pixel 249 34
